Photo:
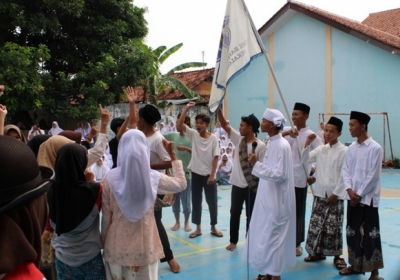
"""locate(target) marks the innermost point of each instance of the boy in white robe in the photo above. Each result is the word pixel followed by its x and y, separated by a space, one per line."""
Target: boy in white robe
pixel 271 236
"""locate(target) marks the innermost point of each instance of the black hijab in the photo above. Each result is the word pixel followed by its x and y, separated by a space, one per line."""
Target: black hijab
pixel 73 198
pixel 36 141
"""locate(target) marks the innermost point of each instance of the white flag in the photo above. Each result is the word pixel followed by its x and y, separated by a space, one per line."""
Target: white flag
pixel 237 47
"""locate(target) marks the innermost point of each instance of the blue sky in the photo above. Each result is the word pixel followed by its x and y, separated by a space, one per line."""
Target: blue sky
pixel 197 24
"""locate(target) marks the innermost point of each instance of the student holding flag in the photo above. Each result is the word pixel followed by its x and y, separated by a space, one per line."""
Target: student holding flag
pixel 271 236
pixel 244 184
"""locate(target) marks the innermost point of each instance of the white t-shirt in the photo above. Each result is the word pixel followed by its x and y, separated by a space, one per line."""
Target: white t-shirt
pixel 35 132
pixel 237 177
pixel 157 151
pixel 203 152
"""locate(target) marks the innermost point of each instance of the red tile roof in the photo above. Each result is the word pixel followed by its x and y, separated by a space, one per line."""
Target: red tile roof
pixel 362 31
pixel 387 21
pixel 192 79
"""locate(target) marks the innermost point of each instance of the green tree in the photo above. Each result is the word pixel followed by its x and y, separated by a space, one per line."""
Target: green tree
pixel 158 82
pixel 20 68
pixel 74 54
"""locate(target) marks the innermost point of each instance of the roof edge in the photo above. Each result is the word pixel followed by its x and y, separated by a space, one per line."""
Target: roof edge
pixel 285 14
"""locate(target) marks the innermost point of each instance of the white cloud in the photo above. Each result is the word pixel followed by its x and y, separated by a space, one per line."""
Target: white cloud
pixel 197 24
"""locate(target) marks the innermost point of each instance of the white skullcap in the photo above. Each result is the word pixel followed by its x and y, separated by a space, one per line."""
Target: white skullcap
pixel 274 116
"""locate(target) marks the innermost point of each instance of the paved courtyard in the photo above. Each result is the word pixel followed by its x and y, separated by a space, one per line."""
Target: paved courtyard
pixel 205 257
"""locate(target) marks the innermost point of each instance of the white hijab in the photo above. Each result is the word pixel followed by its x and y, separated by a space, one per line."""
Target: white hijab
pixel 172 127
pixel 133 183
pixel 55 131
pixel 99 171
pixel 108 158
pixel 163 129
pixel 225 141
pixel 228 167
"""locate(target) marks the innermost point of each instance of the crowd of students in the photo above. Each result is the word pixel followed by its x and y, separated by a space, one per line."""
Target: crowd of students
pixel 62 172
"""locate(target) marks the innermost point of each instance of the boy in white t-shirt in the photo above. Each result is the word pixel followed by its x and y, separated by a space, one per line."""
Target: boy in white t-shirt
pixel 145 121
pixel 205 152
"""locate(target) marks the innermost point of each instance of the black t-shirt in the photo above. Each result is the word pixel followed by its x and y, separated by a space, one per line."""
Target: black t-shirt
pixel 113 145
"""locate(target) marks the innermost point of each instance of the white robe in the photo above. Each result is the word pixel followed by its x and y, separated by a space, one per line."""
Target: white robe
pixel 271 240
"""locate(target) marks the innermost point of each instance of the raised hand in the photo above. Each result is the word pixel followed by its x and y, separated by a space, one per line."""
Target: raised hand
pixel 105 115
pixel 3 113
pixel 89 175
pixel 169 147
pixel 294 133
pixel 93 131
pixel 3 110
pixel 310 138
pixel 190 104
pixel 132 94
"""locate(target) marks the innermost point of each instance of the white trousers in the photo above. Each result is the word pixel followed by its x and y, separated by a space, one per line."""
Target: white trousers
pixel 117 272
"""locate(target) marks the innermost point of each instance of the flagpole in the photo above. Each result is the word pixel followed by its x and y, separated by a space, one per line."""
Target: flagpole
pixel 264 51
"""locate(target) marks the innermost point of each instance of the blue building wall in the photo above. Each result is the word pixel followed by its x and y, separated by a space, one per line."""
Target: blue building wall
pixel 364 78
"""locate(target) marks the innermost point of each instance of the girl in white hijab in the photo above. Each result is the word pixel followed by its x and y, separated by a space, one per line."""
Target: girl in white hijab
pixel 224 141
pixel 229 152
pixel 132 247
pixel 163 129
pixel 55 129
pixel 224 170
pixel 172 127
pixel 99 169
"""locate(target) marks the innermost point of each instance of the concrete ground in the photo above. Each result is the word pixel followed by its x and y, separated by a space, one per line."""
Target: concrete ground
pixel 205 257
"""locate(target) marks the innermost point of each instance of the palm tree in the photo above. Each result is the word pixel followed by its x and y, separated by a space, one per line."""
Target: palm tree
pixel 159 82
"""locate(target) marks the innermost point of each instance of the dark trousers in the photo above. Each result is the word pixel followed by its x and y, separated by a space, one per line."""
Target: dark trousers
pixel 238 196
pixel 199 183
pixel 163 237
pixel 301 198
pixel 364 238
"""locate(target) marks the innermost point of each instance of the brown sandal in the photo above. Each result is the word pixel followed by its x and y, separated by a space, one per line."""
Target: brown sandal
pixel 315 258
pixel 339 263
pixel 348 271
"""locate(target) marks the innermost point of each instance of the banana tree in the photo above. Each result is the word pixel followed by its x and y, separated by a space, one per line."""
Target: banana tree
pixel 159 82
